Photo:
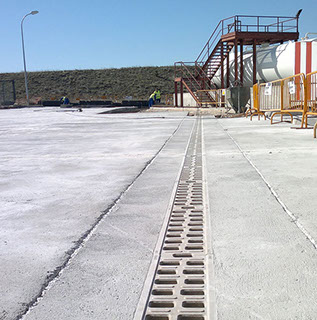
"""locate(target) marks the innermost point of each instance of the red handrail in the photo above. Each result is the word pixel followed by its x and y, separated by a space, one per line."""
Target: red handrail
pixel 236 23
pixel 196 75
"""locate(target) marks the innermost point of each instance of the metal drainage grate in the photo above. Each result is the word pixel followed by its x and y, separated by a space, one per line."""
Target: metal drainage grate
pixel 179 289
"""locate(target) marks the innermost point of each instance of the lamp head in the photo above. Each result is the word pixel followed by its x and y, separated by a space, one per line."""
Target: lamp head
pixel 34 12
pixel 298 13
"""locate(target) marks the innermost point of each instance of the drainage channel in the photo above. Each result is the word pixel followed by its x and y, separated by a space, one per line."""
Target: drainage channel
pixel 179 286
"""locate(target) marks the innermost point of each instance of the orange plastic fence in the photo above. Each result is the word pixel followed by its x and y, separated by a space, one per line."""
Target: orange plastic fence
pixel 295 94
pixel 311 87
pixel 284 96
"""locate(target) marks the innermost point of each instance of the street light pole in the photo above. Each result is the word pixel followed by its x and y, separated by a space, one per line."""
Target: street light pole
pixel 25 73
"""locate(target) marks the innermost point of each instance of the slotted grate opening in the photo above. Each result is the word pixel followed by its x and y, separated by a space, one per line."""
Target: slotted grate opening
pixel 179 283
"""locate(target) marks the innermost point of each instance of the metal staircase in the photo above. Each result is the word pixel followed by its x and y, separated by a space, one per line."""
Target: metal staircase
pixel 218 55
pixel 216 50
pixel 197 77
pixel 195 80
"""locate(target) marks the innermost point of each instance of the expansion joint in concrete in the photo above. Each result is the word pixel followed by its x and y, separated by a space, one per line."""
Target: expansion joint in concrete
pixel 292 216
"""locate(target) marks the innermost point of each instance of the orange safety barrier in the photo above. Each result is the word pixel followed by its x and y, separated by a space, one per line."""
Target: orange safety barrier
pixel 284 96
pixel 255 110
pixel 311 83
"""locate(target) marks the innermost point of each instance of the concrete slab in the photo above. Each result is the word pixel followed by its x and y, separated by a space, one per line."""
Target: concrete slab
pixel 287 159
pixel 60 172
pixel 264 264
pixel 106 278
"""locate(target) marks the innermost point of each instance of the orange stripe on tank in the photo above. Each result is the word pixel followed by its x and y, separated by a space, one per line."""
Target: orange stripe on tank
pixel 308 57
pixel 297 57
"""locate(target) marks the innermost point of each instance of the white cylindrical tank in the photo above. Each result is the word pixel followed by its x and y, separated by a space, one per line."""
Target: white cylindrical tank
pixel 274 62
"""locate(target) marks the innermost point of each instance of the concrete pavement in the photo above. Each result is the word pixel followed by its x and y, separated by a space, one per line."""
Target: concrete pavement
pixel 259 175
pixel 84 195
pixel 61 172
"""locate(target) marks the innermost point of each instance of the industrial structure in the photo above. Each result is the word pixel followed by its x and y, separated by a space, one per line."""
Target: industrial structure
pixel 231 57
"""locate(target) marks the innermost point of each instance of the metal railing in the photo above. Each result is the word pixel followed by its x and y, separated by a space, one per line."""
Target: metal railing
pixel 196 75
pixel 218 97
pixel 193 74
pixel 194 80
pixel 244 23
pixel 190 70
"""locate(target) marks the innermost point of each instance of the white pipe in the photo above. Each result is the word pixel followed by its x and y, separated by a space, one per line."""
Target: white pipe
pixel 306 35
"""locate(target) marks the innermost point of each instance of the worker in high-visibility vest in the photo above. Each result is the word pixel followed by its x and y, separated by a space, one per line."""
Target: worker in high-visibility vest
pixel 152 99
pixel 64 100
pixel 158 96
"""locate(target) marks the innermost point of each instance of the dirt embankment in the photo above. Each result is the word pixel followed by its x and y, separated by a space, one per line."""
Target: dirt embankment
pixel 112 84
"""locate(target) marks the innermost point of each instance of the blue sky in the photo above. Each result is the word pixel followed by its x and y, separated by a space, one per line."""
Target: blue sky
pixel 94 34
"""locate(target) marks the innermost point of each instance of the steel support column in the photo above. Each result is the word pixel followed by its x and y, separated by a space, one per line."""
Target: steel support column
pixel 221 66
pixel 254 61
pixel 235 60
pixel 241 63
pixel 182 94
pixel 175 89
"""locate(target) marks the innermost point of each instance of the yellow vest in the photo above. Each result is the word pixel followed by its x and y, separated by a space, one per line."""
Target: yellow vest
pixel 158 94
pixel 152 95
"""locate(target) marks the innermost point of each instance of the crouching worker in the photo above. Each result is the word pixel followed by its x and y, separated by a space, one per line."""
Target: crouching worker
pixel 152 99
pixel 64 100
